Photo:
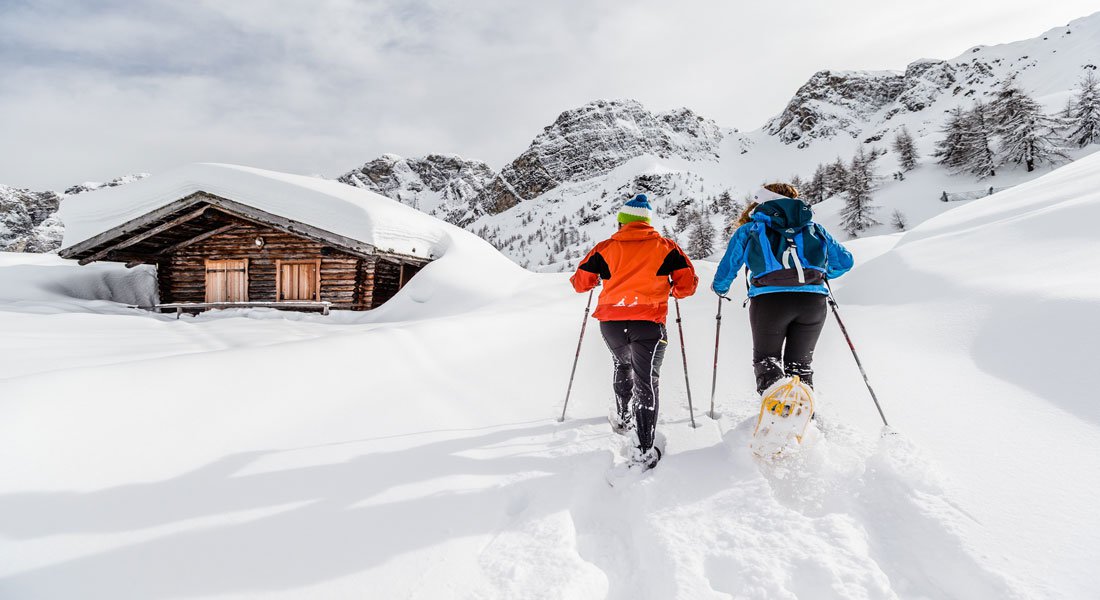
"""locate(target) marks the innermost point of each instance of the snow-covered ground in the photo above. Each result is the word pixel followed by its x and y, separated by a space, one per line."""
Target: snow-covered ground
pixel 414 452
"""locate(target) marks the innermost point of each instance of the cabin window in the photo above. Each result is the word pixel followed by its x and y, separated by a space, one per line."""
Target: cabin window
pixel 298 279
pixel 227 280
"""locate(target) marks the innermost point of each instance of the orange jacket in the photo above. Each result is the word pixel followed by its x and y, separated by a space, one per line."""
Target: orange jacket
pixel 636 266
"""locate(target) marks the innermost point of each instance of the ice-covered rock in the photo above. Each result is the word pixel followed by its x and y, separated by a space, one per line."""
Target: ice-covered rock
pixel 89 186
pixel 444 185
pixel 592 140
pixel 26 220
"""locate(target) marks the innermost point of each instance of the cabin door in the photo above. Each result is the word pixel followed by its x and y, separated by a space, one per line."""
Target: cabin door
pixel 299 280
pixel 227 280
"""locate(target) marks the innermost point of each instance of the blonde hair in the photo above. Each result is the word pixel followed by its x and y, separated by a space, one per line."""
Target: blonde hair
pixel 746 215
pixel 783 189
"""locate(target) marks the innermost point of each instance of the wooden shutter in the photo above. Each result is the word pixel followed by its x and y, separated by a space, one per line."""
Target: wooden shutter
pixel 227 280
pixel 298 280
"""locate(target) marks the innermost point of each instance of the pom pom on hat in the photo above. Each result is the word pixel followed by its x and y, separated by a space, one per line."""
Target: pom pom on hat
pixel 636 209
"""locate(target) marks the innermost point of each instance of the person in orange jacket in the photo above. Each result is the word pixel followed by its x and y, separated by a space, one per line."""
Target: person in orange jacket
pixel 639 270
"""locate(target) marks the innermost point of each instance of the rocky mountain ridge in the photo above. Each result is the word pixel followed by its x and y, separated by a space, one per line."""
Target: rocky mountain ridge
pixel 28 218
pixel 28 221
pixel 863 104
pixel 90 186
pixel 593 139
pixel 444 185
pixel 580 144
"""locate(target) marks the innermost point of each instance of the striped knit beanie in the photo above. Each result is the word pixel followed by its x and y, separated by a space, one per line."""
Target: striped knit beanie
pixel 636 209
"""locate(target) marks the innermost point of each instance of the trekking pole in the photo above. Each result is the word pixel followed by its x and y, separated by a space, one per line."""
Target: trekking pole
pixel 714 378
pixel 844 330
pixel 576 358
pixel 683 353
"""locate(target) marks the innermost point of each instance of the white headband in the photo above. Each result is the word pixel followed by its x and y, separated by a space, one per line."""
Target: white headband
pixel 763 195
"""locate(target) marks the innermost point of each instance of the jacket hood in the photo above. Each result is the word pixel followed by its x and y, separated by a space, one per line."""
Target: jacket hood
pixel 638 230
pixel 784 213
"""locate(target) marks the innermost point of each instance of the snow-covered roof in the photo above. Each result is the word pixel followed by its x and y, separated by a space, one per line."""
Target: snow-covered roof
pixel 328 205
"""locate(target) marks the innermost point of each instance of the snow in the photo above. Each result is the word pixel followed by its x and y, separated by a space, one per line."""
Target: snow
pixel 413 451
pixel 328 205
pixel 46 281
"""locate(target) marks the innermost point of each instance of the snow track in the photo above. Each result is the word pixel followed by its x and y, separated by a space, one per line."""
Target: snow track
pixel 212 457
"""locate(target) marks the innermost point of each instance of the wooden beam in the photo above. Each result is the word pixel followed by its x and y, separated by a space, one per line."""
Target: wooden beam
pixel 141 237
pixel 196 239
pixel 134 263
pixel 244 211
pixel 124 257
pixel 145 235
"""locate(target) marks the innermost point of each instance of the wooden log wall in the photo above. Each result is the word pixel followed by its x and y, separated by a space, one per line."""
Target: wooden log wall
pixel 347 281
pixel 386 281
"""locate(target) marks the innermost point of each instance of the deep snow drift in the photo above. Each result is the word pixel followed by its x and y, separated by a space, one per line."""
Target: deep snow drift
pixel 414 451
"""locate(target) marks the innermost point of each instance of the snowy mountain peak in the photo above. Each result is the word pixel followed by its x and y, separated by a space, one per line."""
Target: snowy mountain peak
pixel 593 139
pixel 445 185
pixel 831 103
pixel 860 104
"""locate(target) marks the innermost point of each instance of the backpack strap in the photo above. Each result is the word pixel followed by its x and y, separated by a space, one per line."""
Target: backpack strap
pixel 791 255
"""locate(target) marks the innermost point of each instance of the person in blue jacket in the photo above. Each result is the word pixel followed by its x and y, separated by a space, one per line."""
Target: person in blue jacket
pixel 788 259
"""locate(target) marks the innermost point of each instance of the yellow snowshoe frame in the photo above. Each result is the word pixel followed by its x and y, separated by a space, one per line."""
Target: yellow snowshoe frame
pixel 789 399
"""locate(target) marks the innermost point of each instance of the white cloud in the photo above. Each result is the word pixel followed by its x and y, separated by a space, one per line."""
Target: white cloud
pixel 111 87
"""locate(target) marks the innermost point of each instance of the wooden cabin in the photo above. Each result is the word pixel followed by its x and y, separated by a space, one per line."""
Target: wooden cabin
pixel 214 252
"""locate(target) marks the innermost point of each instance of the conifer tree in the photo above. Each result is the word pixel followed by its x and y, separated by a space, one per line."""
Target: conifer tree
pixel 836 178
pixel 815 188
pixel 1068 110
pixel 701 239
pixel 1028 135
pixel 858 212
pixel 949 150
pixel 1085 118
pixel 797 183
pixel 725 203
pixel 683 220
pixel 905 149
pixel 1008 103
pixel 977 156
pixel 730 210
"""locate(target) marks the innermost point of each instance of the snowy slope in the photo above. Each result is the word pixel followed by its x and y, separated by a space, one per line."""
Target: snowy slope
pixel 414 451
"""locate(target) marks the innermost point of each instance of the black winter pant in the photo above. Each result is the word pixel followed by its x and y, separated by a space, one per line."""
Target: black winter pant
pixel 638 349
pixel 785 328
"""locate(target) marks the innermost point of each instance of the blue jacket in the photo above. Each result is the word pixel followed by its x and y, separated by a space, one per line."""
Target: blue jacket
pixel 838 261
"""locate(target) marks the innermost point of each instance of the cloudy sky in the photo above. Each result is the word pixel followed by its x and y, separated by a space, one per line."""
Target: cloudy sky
pixel 92 89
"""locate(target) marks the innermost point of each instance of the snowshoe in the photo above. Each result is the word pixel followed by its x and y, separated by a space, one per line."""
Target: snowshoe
pixel 785 411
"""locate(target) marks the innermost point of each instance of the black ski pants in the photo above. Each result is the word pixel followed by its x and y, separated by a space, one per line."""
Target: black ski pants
pixel 638 349
pixel 785 328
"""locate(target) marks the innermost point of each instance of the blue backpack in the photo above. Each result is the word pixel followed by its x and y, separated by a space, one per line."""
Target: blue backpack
pixel 789 249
